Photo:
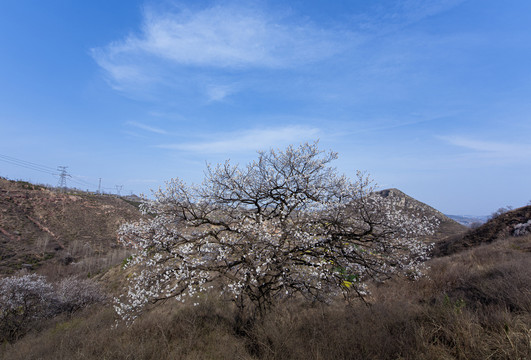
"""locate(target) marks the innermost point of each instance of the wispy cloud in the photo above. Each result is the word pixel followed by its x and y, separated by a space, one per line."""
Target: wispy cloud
pixel 385 17
pixel 409 11
pixel 249 140
pixel 492 149
pixel 228 36
pixel 219 92
pixel 376 125
pixel 147 127
pixel 186 50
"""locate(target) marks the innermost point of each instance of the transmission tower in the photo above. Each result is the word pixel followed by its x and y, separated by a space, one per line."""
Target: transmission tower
pixel 63 174
pixel 119 188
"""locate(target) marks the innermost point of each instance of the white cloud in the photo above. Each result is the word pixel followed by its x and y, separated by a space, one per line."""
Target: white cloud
pixel 249 140
pixel 216 37
pixel 186 51
pixel 492 149
pixel 219 92
pixel 147 127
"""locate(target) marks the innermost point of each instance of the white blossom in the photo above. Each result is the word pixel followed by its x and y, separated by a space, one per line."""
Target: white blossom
pixel 286 223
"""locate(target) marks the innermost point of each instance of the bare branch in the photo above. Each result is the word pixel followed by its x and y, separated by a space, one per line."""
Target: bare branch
pixel 286 223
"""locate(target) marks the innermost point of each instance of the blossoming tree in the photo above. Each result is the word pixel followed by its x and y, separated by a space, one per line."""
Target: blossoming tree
pixel 285 224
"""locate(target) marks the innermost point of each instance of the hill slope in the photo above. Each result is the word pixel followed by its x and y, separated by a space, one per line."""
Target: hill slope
pixel 447 227
pixel 39 227
pixel 511 223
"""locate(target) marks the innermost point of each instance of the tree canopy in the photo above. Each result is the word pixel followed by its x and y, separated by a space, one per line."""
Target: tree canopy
pixel 285 224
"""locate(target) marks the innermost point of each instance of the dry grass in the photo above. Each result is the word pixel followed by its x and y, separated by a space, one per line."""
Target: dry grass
pixel 187 333
pixel 474 305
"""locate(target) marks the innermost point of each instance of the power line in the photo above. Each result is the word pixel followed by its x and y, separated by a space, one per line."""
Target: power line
pixel 82 182
pixel 43 167
pixel 27 164
pixel 63 174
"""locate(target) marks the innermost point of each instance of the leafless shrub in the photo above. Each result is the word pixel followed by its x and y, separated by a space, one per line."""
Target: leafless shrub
pixel 501 211
pixel 74 294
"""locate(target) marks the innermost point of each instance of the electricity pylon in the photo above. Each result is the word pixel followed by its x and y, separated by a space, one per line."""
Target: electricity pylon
pixel 63 174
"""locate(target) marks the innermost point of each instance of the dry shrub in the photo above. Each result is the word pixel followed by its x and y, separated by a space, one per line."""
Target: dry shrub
pixel 473 305
pixel 75 294
pixel 451 330
pixel 337 332
pixel 168 332
pixel 496 274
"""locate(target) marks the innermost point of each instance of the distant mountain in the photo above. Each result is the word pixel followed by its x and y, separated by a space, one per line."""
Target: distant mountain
pixel 43 229
pixel 469 220
pixel 447 226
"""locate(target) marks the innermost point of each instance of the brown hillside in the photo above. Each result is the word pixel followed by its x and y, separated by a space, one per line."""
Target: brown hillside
pixel 447 227
pixel 499 227
pixel 39 226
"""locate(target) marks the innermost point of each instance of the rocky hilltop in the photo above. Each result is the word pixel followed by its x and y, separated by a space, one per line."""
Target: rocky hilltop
pixel 42 229
pixel 447 227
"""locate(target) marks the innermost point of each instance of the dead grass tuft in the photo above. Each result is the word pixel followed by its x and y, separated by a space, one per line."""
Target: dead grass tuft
pixel 473 305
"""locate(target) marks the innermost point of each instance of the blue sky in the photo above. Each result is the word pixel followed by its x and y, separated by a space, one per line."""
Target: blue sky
pixel 431 97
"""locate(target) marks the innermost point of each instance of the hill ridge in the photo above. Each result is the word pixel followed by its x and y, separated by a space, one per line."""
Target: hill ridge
pixel 447 226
